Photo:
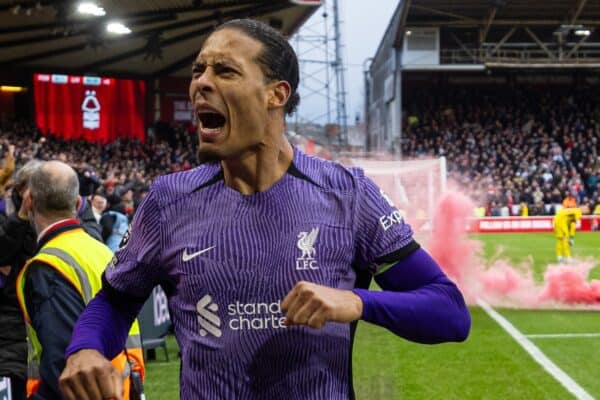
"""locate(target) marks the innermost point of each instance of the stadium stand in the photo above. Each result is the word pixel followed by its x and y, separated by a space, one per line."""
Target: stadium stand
pixel 117 168
pixel 512 146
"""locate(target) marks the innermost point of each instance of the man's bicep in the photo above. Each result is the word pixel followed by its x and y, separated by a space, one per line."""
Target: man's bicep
pixel 413 271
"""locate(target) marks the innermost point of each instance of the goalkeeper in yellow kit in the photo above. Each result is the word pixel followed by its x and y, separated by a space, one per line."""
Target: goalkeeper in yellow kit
pixel 565 222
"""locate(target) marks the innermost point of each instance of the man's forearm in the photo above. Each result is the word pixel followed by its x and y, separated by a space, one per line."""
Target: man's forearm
pixel 433 314
pixel 418 302
pixel 104 325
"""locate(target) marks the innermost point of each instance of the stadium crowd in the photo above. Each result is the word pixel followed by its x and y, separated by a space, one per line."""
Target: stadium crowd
pixel 120 171
pixel 517 152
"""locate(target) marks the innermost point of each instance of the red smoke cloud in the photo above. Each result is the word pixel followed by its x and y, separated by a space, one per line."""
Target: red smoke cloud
pixel 502 283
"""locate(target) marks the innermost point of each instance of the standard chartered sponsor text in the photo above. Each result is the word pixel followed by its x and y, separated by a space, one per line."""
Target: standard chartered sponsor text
pixel 255 316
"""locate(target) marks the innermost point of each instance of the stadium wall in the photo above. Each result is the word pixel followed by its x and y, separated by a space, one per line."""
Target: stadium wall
pixel 171 100
pixel 384 108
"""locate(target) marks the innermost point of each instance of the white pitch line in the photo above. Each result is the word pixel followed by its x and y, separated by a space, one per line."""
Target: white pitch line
pixel 539 357
pixel 563 335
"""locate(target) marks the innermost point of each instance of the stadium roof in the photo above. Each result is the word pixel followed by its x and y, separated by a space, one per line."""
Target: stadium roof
pixel 51 36
pixel 504 12
pixel 506 33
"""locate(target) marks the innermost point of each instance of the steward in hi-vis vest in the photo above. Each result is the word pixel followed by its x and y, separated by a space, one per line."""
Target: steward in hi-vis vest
pixel 67 258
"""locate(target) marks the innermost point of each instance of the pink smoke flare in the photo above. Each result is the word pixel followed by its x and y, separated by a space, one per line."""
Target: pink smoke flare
pixel 500 283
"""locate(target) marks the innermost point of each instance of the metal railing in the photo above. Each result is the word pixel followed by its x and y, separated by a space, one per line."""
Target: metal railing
pixel 581 57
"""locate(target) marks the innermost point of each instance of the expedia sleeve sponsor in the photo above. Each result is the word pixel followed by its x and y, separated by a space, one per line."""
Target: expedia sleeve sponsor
pixel 380 228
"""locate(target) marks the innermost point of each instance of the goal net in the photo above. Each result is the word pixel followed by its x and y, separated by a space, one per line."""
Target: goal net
pixel 414 186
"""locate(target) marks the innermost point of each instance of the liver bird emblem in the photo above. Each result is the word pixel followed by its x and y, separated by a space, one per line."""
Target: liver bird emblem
pixel 306 243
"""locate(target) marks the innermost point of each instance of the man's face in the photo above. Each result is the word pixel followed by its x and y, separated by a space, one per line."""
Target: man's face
pixel 230 94
pixel 99 203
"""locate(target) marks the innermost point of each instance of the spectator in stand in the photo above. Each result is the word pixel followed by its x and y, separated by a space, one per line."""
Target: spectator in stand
pixel 495 210
pixel 114 223
pixel 99 203
pixel 88 180
pixel 86 217
pixel 128 205
pixel 591 179
pixel 6 171
pixel 586 206
pixel 526 196
pixel 110 189
pixel 555 196
pixel 538 195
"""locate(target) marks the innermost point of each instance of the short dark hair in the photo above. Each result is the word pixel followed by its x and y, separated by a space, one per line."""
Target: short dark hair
pixel 98 193
pixel 278 60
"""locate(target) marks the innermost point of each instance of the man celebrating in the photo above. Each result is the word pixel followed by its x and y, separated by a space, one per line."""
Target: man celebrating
pixel 265 253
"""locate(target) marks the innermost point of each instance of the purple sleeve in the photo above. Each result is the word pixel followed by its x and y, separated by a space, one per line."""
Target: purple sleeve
pixel 104 325
pixel 418 302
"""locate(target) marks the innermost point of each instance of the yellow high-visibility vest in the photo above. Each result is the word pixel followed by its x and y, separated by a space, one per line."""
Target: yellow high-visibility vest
pixel 81 260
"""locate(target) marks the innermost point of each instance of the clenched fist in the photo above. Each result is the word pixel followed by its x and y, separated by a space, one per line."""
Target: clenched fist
pixel 88 375
pixel 314 305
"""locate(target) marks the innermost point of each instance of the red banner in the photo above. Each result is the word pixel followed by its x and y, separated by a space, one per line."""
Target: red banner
pixel 528 224
pixel 88 107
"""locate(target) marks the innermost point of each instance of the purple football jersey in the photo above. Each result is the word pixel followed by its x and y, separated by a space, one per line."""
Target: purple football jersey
pixel 226 261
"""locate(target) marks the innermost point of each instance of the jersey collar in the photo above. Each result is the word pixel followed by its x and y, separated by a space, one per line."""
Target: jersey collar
pixel 56 229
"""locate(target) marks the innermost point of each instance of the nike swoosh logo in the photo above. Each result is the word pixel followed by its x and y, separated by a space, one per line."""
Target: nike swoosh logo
pixel 187 257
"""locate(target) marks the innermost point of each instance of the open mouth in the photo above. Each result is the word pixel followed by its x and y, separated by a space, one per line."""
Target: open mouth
pixel 211 122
